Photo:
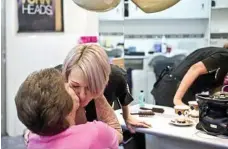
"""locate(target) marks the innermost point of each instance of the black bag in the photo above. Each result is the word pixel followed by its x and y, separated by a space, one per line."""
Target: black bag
pixel 165 88
pixel 213 114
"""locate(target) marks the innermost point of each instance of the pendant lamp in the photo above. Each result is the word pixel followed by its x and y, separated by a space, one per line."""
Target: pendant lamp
pixel 97 5
pixel 151 6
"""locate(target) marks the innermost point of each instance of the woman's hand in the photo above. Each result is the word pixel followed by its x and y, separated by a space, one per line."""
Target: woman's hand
pixel 132 122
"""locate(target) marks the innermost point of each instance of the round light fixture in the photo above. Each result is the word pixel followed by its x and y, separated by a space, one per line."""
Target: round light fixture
pixel 97 5
pixel 151 6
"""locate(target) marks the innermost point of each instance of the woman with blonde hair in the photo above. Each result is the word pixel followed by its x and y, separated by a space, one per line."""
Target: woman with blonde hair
pixel 98 84
pixel 86 70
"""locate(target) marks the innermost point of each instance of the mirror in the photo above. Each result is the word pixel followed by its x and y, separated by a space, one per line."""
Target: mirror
pixel 97 5
pixel 151 6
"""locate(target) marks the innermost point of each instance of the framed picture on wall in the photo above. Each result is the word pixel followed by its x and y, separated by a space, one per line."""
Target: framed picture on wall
pixel 40 16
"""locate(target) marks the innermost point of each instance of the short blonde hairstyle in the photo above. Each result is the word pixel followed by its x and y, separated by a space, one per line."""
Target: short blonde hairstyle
pixel 93 61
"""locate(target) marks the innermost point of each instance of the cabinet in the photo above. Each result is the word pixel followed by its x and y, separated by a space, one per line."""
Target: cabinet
pixel 116 14
pixel 185 9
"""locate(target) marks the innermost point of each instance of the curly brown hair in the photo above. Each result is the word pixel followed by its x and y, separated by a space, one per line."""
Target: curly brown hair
pixel 43 103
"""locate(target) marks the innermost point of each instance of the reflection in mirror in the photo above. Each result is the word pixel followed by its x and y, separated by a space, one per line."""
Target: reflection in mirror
pixel 150 6
pixel 111 38
pixel 97 5
pixel 156 40
pixel 153 40
pixel 111 26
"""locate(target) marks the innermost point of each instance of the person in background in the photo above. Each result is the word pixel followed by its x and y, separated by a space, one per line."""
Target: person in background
pixel 202 70
pixel 206 75
pixel 84 69
pixel 47 106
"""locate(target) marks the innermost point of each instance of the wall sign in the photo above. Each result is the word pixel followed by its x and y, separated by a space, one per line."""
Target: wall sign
pixel 40 16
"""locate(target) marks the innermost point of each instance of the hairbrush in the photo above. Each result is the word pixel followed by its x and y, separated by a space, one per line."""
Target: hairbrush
pixel 143 113
pixel 156 110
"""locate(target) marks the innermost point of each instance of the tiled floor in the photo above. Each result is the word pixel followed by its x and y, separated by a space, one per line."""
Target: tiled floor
pixel 12 143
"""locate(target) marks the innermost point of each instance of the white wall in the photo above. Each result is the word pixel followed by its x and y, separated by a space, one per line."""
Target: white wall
pixel 30 52
pixel 219 23
pixel 219 20
pixel 157 27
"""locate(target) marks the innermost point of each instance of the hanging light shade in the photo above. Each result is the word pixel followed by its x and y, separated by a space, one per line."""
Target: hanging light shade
pixel 97 5
pixel 150 6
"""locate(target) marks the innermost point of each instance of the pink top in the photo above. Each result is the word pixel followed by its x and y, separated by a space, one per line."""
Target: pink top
pixel 92 135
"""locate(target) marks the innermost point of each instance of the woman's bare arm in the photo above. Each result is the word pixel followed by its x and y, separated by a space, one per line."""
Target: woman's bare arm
pixel 106 114
pixel 193 73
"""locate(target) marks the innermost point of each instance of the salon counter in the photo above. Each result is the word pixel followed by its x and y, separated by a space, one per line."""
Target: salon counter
pixel 163 135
